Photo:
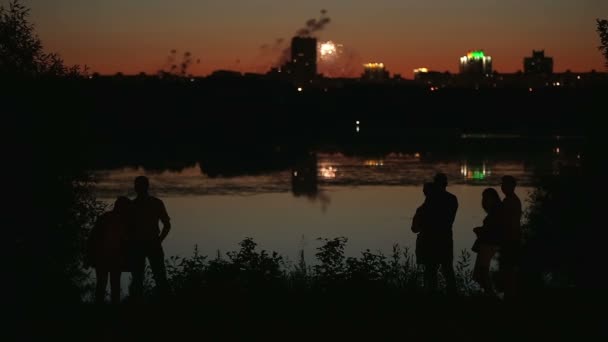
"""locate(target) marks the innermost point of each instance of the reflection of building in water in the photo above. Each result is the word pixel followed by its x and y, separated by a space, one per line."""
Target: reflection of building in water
pixel 304 181
pixel 374 163
pixel 304 178
pixel 474 172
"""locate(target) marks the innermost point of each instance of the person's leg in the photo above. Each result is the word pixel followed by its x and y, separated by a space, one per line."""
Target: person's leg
pixel 115 286
pixel 101 276
pixel 447 270
pixel 156 257
pixel 430 277
pixel 138 272
pixel 477 268
pixel 508 270
pixel 486 253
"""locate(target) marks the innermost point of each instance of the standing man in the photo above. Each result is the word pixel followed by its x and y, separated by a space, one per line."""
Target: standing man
pixel 147 238
pixel 442 212
pixel 510 248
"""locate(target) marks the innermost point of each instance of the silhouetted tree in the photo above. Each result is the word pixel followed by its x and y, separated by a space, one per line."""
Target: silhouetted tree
pixel 21 51
pixel 175 68
pixel 602 30
pixel 51 205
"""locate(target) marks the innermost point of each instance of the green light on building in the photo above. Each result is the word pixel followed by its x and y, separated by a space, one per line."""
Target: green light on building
pixel 476 54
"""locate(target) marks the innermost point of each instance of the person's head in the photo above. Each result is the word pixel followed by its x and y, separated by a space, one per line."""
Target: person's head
pixel 121 205
pixel 141 185
pixel 441 181
pixel 490 199
pixel 508 185
pixel 428 189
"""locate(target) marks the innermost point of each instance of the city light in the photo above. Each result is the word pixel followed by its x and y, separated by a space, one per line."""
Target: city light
pixel 300 89
pixel 373 65
pixel 479 54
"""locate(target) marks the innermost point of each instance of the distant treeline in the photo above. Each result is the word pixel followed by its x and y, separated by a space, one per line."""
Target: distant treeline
pixel 125 109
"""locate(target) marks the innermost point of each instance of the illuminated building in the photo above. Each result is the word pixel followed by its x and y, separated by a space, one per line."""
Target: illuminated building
pixel 538 64
pixel 303 64
pixel 374 72
pixel 476 63
pixel 429 77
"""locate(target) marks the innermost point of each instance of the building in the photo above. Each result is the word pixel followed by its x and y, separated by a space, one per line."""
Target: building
pixel 538 64
pixel 476 63
pixel 303 64
pixel 374 72
pixel 434 78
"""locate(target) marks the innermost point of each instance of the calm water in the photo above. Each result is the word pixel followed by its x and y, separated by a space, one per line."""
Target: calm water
pixel 370 201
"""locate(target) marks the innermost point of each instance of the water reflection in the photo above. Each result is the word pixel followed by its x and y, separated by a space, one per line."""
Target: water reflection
pixel 306 175
pixel 304 181
pixel 475 172
pixel 370 198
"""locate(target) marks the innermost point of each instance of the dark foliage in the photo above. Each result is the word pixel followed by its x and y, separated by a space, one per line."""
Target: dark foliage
pixel 250 273
pixel 602 30
pixel 21 51
pixel 51 205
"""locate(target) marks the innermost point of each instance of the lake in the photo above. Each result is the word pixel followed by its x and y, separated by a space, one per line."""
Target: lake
pixel 327 193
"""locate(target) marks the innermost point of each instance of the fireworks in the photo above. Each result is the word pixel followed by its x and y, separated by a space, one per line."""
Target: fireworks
pixel 329 51
pixel 335 60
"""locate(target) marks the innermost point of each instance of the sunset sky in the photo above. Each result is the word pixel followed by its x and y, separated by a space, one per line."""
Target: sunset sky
pixel 132 36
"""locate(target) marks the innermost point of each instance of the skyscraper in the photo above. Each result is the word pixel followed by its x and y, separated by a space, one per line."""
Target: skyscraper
pixel 538 64
pixel 303 63
pixel 476 63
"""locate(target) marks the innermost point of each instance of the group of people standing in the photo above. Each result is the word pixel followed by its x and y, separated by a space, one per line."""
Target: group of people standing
pixel 499 233
pixel 123 238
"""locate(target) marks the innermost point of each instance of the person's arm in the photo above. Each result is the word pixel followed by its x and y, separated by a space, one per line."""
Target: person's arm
pixel 416 221
pixel 164 218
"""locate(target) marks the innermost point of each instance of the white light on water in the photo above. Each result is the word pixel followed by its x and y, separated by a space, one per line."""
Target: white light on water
pixel 328 172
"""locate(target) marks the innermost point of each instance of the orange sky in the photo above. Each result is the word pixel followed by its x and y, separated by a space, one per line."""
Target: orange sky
pixel 137 35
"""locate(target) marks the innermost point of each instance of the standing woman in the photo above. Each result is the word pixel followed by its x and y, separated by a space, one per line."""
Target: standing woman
pixel 489 237
pixel 106 248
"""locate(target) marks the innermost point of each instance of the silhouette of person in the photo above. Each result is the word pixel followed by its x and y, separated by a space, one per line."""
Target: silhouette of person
pixel 106 249
pixel 489 237
pixel 510 247
pixel 441 213
pixel 421 223
pixel 147 237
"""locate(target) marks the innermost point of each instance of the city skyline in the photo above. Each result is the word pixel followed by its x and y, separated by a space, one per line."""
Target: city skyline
pixel 134 37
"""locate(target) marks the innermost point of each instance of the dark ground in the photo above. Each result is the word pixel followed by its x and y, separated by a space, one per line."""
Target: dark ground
pixel 560 316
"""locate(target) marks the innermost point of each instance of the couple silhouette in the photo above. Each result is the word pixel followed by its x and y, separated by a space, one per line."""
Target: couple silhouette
pixel 123 238
pixel 499 233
